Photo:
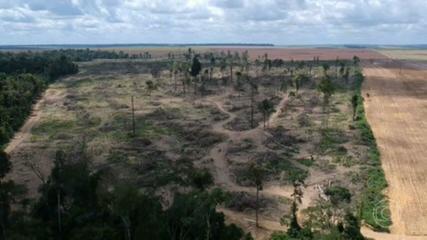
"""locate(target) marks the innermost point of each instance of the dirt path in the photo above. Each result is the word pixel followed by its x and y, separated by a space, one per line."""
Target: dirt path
pixel 397 113
pixel 219 153
pixel 25 132
pixel 279 109
pixel 224 177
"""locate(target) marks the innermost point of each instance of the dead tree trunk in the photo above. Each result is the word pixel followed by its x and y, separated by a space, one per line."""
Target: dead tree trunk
pixel 252 107
pixel 257 207
pixel 231 74
pixel 58 200
pixel 133 117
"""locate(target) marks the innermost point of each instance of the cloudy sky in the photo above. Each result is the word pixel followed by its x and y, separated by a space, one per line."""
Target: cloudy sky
pixel 209 21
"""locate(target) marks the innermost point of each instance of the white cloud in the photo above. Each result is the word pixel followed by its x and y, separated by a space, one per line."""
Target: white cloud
pixel 267 21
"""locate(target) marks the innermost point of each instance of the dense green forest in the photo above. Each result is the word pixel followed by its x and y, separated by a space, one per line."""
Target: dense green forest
pixel 79 203
pixel 23 77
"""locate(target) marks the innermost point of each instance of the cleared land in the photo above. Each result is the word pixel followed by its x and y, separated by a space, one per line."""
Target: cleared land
pixel 178 134
pixel 397 111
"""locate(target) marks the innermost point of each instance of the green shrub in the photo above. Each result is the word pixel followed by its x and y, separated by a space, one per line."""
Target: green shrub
pixel 338 194
pixel 372 198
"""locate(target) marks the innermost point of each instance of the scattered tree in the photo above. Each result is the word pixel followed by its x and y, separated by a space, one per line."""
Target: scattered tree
pixel 150 86
pixel 267 108
pixel 254 90
pixel 354 104
pixel 327 88
pixel 195 69
pixel 257 175
pixel 5 164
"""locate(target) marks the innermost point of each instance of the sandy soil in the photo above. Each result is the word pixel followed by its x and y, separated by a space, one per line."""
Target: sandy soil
pixel 22 172
pixel 25 132
pixel 397 112
pixel 224 178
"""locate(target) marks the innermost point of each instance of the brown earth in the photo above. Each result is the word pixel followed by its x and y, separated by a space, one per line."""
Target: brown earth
pixel 396 109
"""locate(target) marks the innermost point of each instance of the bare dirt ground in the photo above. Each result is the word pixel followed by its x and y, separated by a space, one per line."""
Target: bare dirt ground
pixel 21 166
pixel 397 111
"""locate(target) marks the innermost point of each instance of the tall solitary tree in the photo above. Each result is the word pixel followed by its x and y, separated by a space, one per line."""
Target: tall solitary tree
pixel 254 90
pixel 354 104
pixel 4 194
pixel 5 164
pixel 257 174
pixel 267 108
pixel 327 88
pixel 195 69
pixel 212 66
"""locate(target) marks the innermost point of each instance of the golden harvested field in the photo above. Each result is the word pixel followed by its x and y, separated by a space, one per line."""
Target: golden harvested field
pixel 397 111
pixel 299 54
pixel 420 55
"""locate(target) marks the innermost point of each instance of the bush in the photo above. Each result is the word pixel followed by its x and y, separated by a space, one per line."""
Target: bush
pixel 338 194
pixel 372 197
pixel 201 179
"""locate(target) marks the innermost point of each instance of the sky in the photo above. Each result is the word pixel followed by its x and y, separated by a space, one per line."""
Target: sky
pixel 280 22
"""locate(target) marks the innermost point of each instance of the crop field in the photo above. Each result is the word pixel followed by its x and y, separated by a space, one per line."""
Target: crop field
pixel 415 55
pixel 156 130
pixel 396 110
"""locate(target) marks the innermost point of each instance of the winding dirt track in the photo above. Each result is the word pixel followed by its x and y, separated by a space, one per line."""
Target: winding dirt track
pixel 397 112
pixel 225 178
pixel 24 133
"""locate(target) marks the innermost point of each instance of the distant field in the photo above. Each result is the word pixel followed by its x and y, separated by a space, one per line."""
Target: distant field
pixel 288 54
pixel 307 53
pixel 420 55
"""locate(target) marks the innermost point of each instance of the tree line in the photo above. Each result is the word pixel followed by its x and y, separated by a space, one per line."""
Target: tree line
pixel 23 77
